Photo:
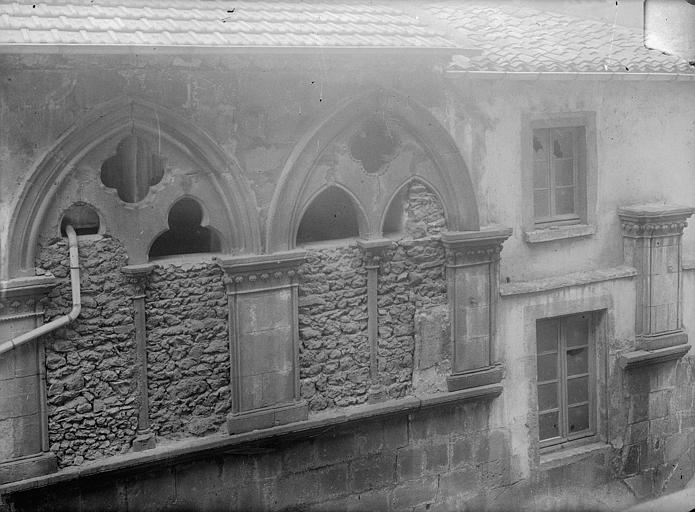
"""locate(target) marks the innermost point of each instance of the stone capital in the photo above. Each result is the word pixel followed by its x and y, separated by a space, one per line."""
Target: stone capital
pixel 474 247
pixel 263 270
pixel 373 250
pixel 651 220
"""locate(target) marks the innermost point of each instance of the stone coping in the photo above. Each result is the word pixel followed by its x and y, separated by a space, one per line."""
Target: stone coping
pixel 189 449
pixel 570 455
pixel 640 358
pixel 564 281
pixel 688 264
pixel 655 210
pixel 487 234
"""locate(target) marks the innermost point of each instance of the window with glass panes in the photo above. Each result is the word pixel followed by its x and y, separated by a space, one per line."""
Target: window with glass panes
pixel 558 156
pixel 565 378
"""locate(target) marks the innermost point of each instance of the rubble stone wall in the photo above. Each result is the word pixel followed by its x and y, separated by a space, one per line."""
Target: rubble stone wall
pixel 91 373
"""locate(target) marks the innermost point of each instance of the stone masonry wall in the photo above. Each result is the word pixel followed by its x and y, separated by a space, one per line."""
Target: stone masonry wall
pixel 442 458
pixel 334 348
pixel 188 349
pixel 92 409
pixel 658 451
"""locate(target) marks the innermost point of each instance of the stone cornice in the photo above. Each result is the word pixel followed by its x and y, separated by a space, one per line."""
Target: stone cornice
pixel 138 270
pixel 473 247
pixel 650 220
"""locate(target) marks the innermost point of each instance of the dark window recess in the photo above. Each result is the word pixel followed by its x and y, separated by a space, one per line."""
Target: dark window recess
pixel 185 234
pixel 330 216
pixel 83 218
pixel 374 145
pixel 133 169
pixel 396 214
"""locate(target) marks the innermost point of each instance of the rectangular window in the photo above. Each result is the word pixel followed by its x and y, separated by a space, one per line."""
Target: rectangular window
pixel 565 383
pixel 558 172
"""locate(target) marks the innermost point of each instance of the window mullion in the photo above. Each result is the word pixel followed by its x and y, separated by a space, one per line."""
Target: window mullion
pixel 562 355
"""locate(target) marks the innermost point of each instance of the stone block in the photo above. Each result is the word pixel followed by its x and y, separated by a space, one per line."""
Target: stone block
pixel 336 447
pixel 395 432
pixel 659 403
pixel 414 493
pixel 264 311
pixel 296 489
pixel 477 321
pixel 299 456
pixel 461 452
pixel 103 496
pixel 27 435
pixel 368 502
pixel 437 457
pixel 475 378
pixel 410 463
pixel 631 456
pixel 277 388
pixel 331 481
pixel 459 481
pixel 372 472
pixel 638 409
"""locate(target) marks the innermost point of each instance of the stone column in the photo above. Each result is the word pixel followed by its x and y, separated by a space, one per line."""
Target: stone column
pixel 373 251
pixel 652 244
pixel 264 340
pixel 138 274
pixel 23 414
pixel 472 262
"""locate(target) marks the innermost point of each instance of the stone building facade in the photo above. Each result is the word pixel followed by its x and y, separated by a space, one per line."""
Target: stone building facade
pixel 415 273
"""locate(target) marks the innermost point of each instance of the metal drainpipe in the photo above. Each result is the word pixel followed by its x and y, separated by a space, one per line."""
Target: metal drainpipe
pixel 76 300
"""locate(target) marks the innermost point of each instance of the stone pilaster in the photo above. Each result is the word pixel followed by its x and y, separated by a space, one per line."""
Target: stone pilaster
pixel 472 262
pixel 23 416
pixel 264 340
pixel 138 275
pixel 373 251
pixel 652 244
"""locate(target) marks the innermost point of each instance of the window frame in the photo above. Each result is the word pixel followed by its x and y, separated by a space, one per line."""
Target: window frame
pixel 586 175
pixel 565 438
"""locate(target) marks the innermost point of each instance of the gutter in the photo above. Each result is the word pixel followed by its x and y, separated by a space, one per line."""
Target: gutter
pixel 76 301
pixel 572 75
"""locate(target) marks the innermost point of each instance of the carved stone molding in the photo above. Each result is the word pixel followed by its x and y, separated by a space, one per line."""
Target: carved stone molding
pixel 373 251
pixel 473 247
pixel 652 220
pixel 251 272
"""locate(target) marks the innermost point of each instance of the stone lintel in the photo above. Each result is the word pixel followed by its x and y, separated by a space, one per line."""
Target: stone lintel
pixel 32 285
pixel 475 378
pixel 654 219
pixel 266 418
pixel 28 467
pixel 662 340
pixel 142 269
pixel 640 358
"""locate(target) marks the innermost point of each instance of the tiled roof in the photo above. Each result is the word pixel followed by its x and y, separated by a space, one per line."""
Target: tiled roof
pixel 518 39
pixel 509 38
pixel 187 23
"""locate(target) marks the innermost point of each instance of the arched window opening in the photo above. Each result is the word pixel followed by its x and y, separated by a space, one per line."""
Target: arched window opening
pixel 415 212
pixel 330 216
pixel 133 169
pixel 185 234
pixel 82 217
pixel 374 145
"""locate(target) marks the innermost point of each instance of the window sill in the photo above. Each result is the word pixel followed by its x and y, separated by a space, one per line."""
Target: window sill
pixel 571 454
pixel 559 233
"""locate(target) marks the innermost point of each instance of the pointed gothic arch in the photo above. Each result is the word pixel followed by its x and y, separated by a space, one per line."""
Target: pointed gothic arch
pixel 451 179
pixel 104 123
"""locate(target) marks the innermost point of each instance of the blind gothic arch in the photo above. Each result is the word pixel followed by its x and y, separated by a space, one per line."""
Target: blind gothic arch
pixel 106 122
pixel 300 180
